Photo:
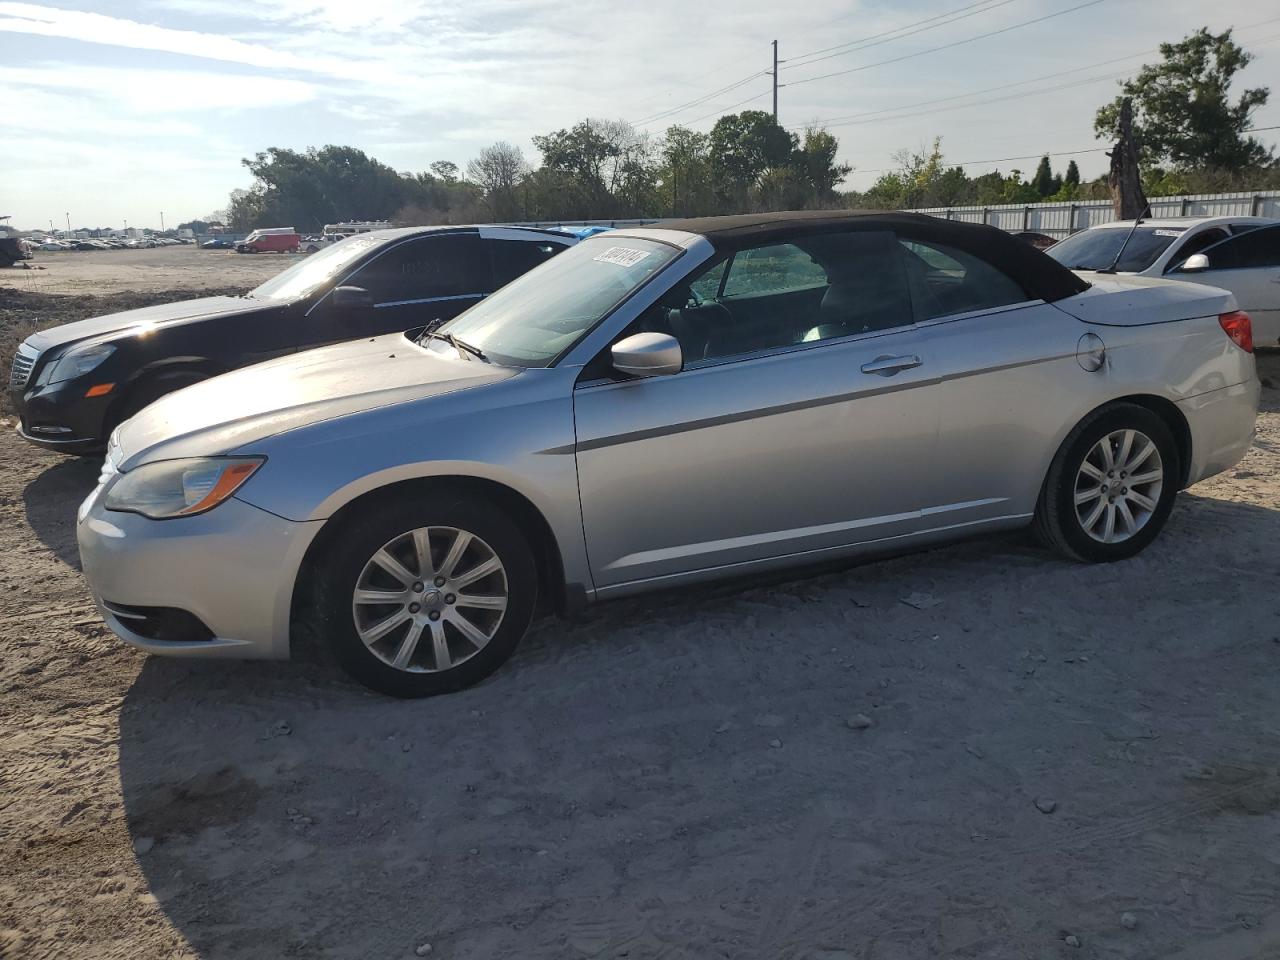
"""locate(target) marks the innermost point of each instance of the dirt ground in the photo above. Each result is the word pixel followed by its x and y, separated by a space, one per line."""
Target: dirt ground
pixel 143 271
pixel 1039 760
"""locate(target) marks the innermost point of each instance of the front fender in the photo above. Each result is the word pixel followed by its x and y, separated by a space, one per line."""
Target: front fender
pixel 520 435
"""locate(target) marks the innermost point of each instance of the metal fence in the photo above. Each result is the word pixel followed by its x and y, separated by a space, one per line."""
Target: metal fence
pixel 1059 220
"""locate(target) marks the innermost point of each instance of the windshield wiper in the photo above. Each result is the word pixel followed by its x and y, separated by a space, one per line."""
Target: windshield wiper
pixel 461 346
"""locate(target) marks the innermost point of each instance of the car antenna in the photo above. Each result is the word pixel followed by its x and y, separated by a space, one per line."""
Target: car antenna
pixel 1120 253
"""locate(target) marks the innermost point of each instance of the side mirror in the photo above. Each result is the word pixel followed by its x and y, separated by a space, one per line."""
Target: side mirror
pixel 648 355
pixel 1194 263
pixel 355 299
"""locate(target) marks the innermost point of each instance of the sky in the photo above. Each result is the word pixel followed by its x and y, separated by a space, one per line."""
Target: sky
pixel 118 111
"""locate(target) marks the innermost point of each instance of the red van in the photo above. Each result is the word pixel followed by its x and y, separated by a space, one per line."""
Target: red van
pixel 279 239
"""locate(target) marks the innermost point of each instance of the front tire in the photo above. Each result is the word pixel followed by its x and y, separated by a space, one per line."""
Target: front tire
pixel 1111 487
pixel 426 595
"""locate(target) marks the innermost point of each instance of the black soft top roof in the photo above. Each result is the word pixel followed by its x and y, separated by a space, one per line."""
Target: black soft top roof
pixel 1041 276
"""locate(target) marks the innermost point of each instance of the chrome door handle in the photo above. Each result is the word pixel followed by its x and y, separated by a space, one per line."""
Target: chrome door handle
pixel 888 366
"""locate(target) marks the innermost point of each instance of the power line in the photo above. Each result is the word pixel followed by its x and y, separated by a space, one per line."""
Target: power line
pixel 945 46
pixel 974 93
pixel 874 116
pixel 662 114
pixel 763 93
pixel 862 44
pixel 898 115
pixel 896 34
pixel 970 163
pixel 875 39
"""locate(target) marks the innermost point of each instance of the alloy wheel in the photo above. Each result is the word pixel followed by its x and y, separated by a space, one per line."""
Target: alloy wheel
pixel 1118 486
pixel 430 599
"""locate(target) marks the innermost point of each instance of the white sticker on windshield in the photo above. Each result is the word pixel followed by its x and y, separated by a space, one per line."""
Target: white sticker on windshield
pixel 1168 233
pixel 622 256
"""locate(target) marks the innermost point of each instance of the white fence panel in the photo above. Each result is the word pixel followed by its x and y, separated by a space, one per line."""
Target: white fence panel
pixel 1059 220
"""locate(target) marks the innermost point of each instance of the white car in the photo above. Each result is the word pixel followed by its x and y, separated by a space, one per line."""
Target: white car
pixel 1240 254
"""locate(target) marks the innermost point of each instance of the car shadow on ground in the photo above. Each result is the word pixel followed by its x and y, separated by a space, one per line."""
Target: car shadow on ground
pixel 51 500
pixel 783 768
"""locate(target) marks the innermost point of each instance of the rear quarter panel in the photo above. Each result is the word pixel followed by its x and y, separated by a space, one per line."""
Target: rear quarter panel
pixel 1011 389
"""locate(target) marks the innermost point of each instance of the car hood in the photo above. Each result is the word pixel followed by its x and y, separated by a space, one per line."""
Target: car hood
pixel 1126 300
pixel 257 402
pixel 158 315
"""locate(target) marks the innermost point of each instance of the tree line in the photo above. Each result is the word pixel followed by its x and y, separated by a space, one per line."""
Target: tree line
pixel 1192 137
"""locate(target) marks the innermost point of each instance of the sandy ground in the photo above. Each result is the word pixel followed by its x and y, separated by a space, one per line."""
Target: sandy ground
pixel 140 271
pixel 790 770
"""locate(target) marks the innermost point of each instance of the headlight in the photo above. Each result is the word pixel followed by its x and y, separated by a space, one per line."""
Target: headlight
pixel 78 361
pixel 179 488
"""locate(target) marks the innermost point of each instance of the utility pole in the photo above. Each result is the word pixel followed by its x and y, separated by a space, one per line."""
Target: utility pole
pixel 68 224
pixel 774 74
pixel 162 221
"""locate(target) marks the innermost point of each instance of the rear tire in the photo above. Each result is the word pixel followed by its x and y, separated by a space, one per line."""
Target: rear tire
pixel 415 627
pixel 1111 486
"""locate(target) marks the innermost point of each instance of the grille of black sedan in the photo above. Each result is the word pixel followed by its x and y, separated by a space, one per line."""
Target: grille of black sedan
pixel 23 361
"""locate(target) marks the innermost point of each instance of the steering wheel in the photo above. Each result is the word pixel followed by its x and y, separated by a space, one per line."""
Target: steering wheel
pixel 723 320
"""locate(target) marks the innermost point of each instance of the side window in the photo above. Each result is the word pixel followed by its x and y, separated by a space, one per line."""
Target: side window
pixel 1194 244
pixel 773 269
pixel 821 287
pixel 451 265
pixel 946 281
pixel 707 286
pixel 1257 248
pixel 512 258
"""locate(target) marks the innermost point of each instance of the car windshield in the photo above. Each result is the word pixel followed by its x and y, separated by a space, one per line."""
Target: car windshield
pixel 316 270
pixel 1097 249
pixel 535 318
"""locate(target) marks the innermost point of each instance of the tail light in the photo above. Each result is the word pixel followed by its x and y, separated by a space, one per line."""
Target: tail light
pixel 1239 328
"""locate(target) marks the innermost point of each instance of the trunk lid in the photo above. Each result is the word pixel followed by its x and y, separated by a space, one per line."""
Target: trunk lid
pixel 1129 301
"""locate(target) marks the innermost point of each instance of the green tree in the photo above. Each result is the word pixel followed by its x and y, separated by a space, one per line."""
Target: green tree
pixel 816 166
pixel 743 146
pixel 1072 179
pixel 498 170
pixel 309 189
pixel 1043 181
pixel 684 180
pixel 1183 113
pixel 611 162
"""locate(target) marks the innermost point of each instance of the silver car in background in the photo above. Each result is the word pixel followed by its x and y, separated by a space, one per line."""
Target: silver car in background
pixel 1238 254
pixel 657 407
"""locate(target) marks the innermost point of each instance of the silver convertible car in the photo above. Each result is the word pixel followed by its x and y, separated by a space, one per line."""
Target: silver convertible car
pixel 656 407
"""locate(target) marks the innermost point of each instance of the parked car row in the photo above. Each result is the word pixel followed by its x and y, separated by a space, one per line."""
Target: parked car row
pixel 53 245
pixel 497 420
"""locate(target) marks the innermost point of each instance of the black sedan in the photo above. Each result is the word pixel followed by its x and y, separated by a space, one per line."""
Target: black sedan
pixel 73 384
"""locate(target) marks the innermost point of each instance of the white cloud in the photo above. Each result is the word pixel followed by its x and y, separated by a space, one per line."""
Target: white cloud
pixel 412 81
pixel 145 92
pixel 116 31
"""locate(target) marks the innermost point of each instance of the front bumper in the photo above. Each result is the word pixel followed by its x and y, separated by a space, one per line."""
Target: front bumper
pixel 233 569
pixel 1223 423
pixel 79 420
